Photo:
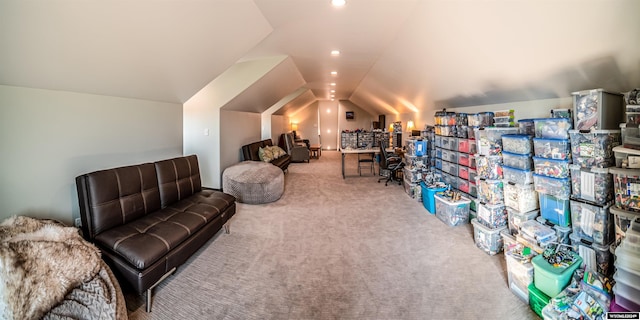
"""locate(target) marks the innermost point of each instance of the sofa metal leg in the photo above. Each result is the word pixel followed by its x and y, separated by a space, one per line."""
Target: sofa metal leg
pixel 227 228
pixel 150 290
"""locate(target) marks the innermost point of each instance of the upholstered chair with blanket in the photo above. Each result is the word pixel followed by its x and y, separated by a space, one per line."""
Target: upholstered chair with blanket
pixel 298 152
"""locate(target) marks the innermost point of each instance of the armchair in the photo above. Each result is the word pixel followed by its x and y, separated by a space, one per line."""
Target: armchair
pixel 298 152
pixel 391 163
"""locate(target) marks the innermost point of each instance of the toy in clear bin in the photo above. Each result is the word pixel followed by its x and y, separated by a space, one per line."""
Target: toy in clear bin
pixel 516 218
pixel 516 175
pixel 595 148
pixel 626 186
pixel 518 161
pixel 491 215
pixel 489 140
pixel 526 126
pixel 597 109
pixel 591 222
pixel 452 208
pixel 557 187
pixel 557 128
pixel 480 119
pixel 551 167
pixel 490 191
pixel 591 184
pixel 461 131
pixel 559 149
pixel 463 159
pixel 517 143
pixel 561 113
pixel 487 239
pixel 537 232
pixel 489 167
pixel 594 256
pixel 523 198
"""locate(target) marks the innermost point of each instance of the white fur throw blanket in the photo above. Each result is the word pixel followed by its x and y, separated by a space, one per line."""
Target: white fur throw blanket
pixel 40 262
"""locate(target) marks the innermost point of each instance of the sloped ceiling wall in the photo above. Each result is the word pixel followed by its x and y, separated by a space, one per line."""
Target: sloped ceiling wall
pixel 153 50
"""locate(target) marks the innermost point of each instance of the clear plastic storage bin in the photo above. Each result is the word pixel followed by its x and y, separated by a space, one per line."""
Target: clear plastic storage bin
pixel 597 109
pixel 552 148
pixel 437 141
pixel 463 172
pixel 491 215
pixel 595 148
pixel 517 175
pixel 555 128
pixel 438 163
pixel 591 184
pixel 439 153
pixel 554 210
pixel 463 159
pixel 446 143
pixel 557 187
pixel 453 156
pixel 517 143
pixel 518 161
pixel 487 239
pixel 489 140
pixel 504 113
pixel 630 135
pixel 504 122
pixel 622 220
pixel 537 233
pixel 627 158
pixel 626 185
pixel 463 145
pixel 480 119
pixel 490 191
pixel 592 223
pixel 473 174
pixel 516 218
pixel 523 198
pixel 551 167
pixel 463 185
pixel 526 126
pixel 489 167
pixel 519 272
pixel 452 213
pixel 594 256
pixel 412 174
pixel 473 189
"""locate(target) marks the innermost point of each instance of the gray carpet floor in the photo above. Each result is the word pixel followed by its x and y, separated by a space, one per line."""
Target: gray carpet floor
pixel 334 248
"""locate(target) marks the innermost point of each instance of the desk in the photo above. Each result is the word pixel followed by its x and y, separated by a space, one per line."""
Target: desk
pixel 355 151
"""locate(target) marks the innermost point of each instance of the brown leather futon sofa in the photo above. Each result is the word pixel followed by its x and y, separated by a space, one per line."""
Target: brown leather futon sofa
pixel 148 219
pixel 250 152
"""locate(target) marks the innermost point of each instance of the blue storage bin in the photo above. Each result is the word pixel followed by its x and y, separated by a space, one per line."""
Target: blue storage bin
pixel 552 148
pixel 518 161
pixel 526 126
pixel 555 210
pixel 428 197
pixel 517 143
pixel 557 187
pixel 551 167
pixel 556 128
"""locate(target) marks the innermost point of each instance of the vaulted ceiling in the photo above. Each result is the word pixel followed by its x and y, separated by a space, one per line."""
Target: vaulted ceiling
pixel 397 56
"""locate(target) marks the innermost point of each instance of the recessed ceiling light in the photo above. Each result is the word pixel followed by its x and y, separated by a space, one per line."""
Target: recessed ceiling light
pixel 333 91
pixel 333 83
pixel 338 3
pixel 335 52
pixel 334 73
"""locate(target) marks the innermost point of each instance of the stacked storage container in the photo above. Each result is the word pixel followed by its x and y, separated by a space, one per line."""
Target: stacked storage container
pixel 491 210
pixel 466 161
pixel 597 116
pixel 627 276
pixel 417 160
pixel 551 160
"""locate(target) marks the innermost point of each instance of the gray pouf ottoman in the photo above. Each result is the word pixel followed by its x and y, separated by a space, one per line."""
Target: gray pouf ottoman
pixel 253 182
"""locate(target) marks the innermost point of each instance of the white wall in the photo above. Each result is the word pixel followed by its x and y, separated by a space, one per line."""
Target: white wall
pixel 279 125
pixel 329 133
pixel 362 119
pixel 47 138
pixel 236 129
pixel 307 119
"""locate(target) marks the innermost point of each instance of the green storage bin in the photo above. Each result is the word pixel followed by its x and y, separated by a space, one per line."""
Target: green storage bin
pixel 551 280
pixel 537 299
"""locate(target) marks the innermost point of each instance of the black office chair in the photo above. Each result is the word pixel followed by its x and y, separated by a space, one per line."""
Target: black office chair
pixel 391 163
